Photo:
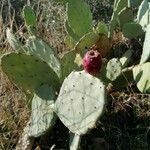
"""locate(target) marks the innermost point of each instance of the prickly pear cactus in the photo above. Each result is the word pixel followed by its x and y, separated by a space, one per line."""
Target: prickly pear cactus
pixel 126 59
pixel 79 17
pixel 143 14
pixel 29 16
pixel 141 77
pixel 101 28
pixel 80 102
pixel 70 31
pixel 68 64
pixel 125 15
pixel 69 42
pixel 13 41
pixel 42 116
pixel 27 71
pixel 132 30
pixel 74 141
pixel 146 47
pixel 86 42
pixel 92 62
pixel 113 69
pixel 42 50
pixel 118 6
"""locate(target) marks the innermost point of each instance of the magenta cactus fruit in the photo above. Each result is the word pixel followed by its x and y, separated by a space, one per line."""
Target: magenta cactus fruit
pixel 92 62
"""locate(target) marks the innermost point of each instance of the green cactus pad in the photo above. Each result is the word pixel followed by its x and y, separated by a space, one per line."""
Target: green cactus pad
pixel 42 50
pixel 13 41
pixel 42 115
pixel 79 17
pixel 125 15
pixel 68 63
pixel 28 72
pixel 80 102
pixel 126 59
pixel 135 3
pixel 86 42
pixel 119 5
pixel 123 80
pixel 70 31
pixel 101 28
pixel 141 74
pixel 132 30
pixel 146 47
pixel 113 69
pixel 69 42
pixel 29 16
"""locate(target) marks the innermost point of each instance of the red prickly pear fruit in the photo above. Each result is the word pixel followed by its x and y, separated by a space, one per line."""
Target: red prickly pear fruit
pixel 92 62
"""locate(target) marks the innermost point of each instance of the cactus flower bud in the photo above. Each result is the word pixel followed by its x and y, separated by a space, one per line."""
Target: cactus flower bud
pixel 92 62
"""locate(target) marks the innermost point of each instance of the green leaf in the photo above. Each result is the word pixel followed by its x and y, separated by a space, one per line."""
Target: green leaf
pixel 79 17
pixel 146 47
pixel 141 74
pixel 42 115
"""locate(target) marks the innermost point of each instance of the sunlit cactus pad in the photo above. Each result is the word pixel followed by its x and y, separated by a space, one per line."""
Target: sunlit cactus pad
pixel 80 102
pixel 42 116
pixel 27 71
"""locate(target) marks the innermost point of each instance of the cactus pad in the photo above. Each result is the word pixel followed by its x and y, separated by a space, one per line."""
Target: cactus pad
pixel 29 16
pixel 132 30
pixel 13 41
pixel 70 31
pixel 146 47
pixel 114 68
pixel 27 71
pixel 68 63
pixel 125 15
pixel 74 141
pixel 42 50
pixel 101 28
pixel 86 42
pixel 42 115
pixel 143 14
pixel 142 78
pixel 79 17
pixel 80 102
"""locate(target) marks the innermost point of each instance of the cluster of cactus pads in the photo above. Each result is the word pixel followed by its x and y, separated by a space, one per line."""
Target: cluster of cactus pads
pixel 58 85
